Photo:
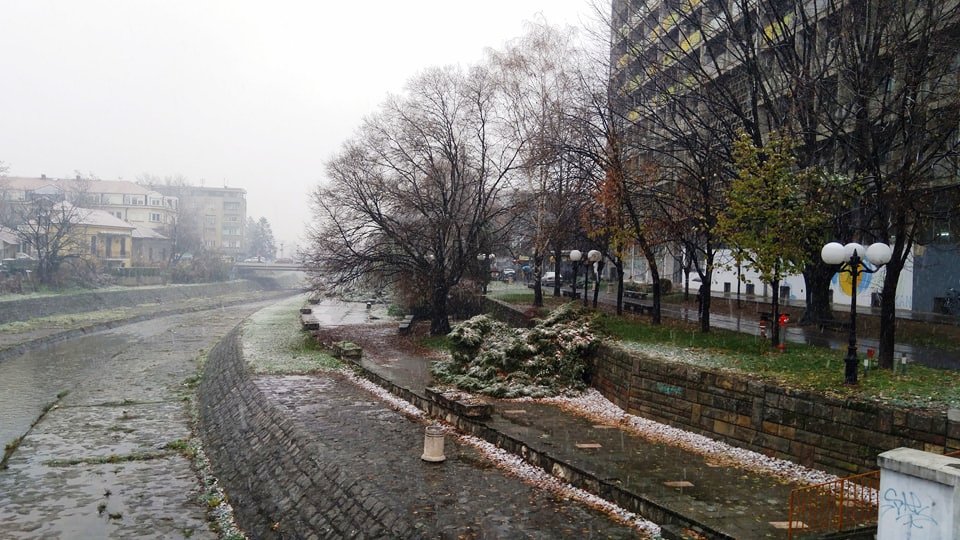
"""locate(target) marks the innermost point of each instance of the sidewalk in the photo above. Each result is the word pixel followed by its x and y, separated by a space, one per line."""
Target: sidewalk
pixel 677 486
pixel 737 322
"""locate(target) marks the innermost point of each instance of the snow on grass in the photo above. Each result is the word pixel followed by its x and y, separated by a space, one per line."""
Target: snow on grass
pixel 680 355
pixel 274 343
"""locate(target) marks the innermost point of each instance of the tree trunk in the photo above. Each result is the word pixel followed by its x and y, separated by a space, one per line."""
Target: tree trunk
pixel 775 304
pixel 817 278
pixel 439 320
pixel 596 283
pixel 888 312
pixel 705 299
pixel 619 266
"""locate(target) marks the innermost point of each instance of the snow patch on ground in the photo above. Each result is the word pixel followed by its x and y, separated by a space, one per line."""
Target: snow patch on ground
pixel 591 404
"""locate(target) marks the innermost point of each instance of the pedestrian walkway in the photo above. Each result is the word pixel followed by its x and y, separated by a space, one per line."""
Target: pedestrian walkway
pixel 736 321
pixel 701 491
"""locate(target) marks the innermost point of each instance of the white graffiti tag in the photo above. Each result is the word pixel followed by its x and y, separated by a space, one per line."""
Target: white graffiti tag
pixel 910 510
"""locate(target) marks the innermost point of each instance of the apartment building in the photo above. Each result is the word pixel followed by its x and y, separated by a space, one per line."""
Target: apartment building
pixel 219 214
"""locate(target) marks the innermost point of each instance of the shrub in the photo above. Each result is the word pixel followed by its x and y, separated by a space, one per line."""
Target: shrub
pixel 492 358
pixel 665 285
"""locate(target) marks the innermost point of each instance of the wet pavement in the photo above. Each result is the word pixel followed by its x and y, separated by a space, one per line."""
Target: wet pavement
pixel 466 496
pixel 730 500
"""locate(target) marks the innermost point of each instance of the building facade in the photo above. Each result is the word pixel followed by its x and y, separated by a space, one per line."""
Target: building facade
pixel 688 75
pixel 218 214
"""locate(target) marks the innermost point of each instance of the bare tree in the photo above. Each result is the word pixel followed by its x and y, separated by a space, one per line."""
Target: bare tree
pixel 415 193
pixel 898 83
pixel 50 223
pixel 539 79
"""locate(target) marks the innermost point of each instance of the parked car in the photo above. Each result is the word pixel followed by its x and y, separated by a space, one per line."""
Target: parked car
pixel 549 279
pixel 508 274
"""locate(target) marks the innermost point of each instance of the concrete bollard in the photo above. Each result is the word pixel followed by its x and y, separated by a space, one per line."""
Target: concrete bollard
pixel 433 444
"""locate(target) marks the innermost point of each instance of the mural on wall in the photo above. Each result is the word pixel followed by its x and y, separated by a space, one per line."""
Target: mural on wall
pixel 844 282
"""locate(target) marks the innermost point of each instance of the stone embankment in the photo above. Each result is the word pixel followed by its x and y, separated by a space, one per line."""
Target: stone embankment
pixel 39 321
pixel 267 462
pixel 22 309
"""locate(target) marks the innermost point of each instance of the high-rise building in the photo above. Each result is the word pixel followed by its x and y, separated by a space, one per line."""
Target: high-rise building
pixel 869 90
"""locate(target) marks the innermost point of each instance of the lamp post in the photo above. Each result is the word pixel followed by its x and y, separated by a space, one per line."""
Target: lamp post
pixel 849 258
pixel 575 257
pixel 485 268
pixel 593 257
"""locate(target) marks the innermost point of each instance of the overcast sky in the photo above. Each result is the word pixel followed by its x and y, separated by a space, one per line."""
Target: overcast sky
pixel 251 94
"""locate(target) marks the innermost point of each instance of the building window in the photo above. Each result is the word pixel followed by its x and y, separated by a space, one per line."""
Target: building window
pixel 155 217
pixel 93 245
pixel 123 247
pixel 118 214
pixel 211 220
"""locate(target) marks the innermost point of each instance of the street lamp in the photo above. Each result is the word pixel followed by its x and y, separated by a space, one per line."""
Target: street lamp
pixel 849 257
pixel 593 257
pixel 575 257
pixel 485 268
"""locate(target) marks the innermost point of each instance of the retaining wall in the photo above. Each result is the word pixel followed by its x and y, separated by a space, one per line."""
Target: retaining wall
pixel 840 436
pixel 270 467
pixel 34 307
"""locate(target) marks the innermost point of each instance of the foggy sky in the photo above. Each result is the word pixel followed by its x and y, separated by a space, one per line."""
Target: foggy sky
pixel 251 94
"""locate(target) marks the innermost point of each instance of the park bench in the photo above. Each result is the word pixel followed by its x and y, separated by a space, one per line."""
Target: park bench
pixel 309 321
pixel 638 307
pixel 405 325
pixel 635 294
pixel 571 294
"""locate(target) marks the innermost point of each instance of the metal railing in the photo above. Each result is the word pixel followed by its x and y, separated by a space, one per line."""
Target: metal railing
pixel 843 504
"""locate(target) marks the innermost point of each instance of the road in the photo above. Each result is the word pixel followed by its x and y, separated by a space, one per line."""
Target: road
pixel 102 461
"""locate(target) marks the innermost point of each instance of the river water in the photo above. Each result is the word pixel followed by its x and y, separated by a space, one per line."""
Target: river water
pixel 31 381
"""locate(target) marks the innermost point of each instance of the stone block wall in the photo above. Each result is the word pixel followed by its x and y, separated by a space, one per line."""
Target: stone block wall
pixel 270 467
pixel 840 436
pixel 31 308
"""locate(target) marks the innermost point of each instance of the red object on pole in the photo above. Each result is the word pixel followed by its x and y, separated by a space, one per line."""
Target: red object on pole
pixel 782 320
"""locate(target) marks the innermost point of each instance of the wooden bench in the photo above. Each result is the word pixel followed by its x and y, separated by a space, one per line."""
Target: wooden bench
pixel 638 307
pixel 405 325
pixel 570 294
pixel 635 294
